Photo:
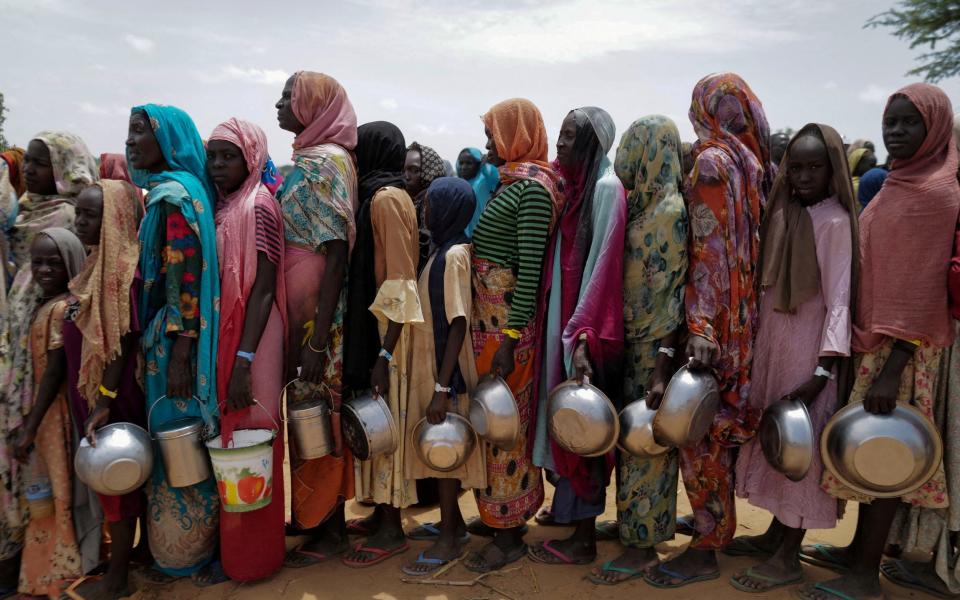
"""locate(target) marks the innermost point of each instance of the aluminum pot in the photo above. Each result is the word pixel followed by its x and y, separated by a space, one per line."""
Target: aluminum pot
pixel 309 424
pixel 786 438
pixel 121 461
pixel 369 429
pixel 883 456
pixel 636 431
pixel 186 461
pixel 689 405
pixel 581 419
pixel 494 414
pixel 445 446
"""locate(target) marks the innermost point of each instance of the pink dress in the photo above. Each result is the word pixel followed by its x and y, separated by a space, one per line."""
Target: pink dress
pixel 785 355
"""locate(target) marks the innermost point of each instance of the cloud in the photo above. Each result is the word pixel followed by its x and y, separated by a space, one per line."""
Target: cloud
pixel 89 108
pixel 138 43
pixel 831 85
pixel 389 104
pixel 248 75
pixel 431 130
pixel 874 94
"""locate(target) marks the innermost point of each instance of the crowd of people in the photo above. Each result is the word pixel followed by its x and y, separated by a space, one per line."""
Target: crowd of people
pixel 188 278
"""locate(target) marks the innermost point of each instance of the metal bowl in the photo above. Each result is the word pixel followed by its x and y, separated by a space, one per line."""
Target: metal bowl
pixel 581 419
pixel 121 461
pixel 494 414
pixel 884 456
pixel 786 437
pixel 445 446
pixel 689 405
pixel 636 431
pixel 368 427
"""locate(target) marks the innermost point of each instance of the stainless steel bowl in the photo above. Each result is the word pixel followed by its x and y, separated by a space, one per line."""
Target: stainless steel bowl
pixel 884 456
pixel 494 414
pixel 445 446
pixel 636 431
pixel 786 437
pixel 689 405
pixel 121 461
pixel 368 427
pixel 581 419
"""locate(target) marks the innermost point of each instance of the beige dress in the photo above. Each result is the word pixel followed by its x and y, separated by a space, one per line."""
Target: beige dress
pixel 396 252
pixel 457 296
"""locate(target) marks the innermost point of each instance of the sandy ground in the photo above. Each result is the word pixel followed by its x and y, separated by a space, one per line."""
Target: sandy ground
pixel 530 580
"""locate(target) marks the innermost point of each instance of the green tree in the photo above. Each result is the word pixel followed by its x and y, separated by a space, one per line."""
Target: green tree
pixel 933 24
pixel 3 109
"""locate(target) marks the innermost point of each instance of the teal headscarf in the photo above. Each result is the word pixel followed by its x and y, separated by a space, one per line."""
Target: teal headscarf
pixel 484 183
pixel 187 186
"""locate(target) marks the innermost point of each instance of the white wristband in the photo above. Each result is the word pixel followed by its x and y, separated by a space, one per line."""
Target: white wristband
pixel 671 352
pixel 821 372
pixel 439 388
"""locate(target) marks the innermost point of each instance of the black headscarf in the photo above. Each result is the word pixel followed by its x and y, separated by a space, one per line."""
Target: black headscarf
pixel 381 151
pixel 451 203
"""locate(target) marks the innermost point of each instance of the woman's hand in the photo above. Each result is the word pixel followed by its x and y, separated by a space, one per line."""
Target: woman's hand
pixel 380 377
pixel 97 419
pixel 655 388
pixel 808 391
pixel 179 372
pixel 503 363
pixel 240 391
pixel 702 352
pixel 23 440
pixel 438 407
pixel 881 398
pixel 581 362
pixel 312 363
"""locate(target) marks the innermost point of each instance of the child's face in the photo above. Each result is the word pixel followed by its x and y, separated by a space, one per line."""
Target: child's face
pixel 89 215
pixel 47 266
pixel 808 167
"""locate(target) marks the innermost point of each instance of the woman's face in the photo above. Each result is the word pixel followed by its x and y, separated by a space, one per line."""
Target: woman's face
pixel 89 215
pixel 47 266
pixel 903 128
pixel 568 135
pixel 808 168
pixel 142 146
pixel 285 117
pixel 492 157
pixel 467 165
pixel 38 169
pixel 867 162
pixel 412 173
pixel 226 165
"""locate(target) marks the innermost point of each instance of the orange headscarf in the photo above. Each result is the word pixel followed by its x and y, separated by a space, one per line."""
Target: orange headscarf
pixel 321 104
pixel 14 159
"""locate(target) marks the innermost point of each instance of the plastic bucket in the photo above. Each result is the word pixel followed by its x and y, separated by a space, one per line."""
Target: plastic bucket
pixel 244 470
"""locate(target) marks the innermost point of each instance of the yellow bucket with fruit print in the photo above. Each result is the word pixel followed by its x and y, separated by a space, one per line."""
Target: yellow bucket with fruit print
pixel 244 469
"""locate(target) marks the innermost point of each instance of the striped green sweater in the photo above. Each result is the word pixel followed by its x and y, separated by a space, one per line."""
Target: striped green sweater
pixel 513 232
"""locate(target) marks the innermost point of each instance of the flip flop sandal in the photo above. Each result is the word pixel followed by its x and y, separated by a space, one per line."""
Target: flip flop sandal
pixel 554 556
pixel 897 573
pixel 476 526
pixel 685 525
pixel 743 546
pixel 823 555
pixel 772 583
pixel 435 563
pixel 429 532
pixel 356 527
pixel 379 555
pixel 608 531
pixel 684 579
pixel 609 567
pixel 481 565
pixel 803 594
pixel 210 575
pixel 307 558
pixel 71 592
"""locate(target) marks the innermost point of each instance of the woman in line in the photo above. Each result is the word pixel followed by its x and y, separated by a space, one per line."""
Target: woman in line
pixel 442 385
pixel 803 341
pixel 382 307
pixel 508 251
pixel 39 413
pixel 726 192
pixel 900 331
pixel 581 309
pixel 318 200
pixel 421 167
pixel 101 335
pixel 860 160
pixel 483 178
pixel 870 184
pixel 252 337
pixel 648 163
pixel 11 188
pixel 179 312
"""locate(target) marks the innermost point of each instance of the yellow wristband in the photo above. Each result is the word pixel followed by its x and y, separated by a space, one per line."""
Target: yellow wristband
pixel 511 333
pixel 108 393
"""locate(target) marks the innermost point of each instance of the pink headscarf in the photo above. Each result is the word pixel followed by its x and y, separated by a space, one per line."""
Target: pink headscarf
pixel 321 104
pixel 903 294
pixel 237 252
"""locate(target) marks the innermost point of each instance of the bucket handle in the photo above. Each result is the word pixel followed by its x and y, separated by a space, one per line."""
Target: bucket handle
pixel 283 405
pixel 276 426
pixel 207 428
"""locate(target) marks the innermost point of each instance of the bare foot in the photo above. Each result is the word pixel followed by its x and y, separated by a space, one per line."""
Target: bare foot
pixel 443 549
pixel 770 574
pixel 626 566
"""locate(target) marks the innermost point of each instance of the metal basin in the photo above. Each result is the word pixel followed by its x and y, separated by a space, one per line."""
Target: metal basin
pixel 786 437
pixel 309 421
pixel 368 427
pixel 581 419
pixel 494 414
pixel 689 405
pixel 636 431
pixel 884 456
pixel 445 446
pixel 120 462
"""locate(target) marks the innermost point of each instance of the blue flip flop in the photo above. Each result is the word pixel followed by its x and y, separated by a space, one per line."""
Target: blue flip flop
pixel 429 532
pixel 423 559
pixel 684 579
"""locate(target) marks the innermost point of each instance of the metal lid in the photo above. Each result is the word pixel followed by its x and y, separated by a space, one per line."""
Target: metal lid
pixel 306 410
pixel 179 428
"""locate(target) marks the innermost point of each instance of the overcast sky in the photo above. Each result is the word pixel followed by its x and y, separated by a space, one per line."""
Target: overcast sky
pixel 434 66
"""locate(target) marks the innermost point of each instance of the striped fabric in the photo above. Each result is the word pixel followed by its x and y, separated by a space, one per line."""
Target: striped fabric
pixel 513 232
pixel 269 234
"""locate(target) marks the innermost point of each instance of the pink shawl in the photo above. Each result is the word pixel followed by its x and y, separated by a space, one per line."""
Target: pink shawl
pixel 321 104
pixel 906 237
pixel 237 252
